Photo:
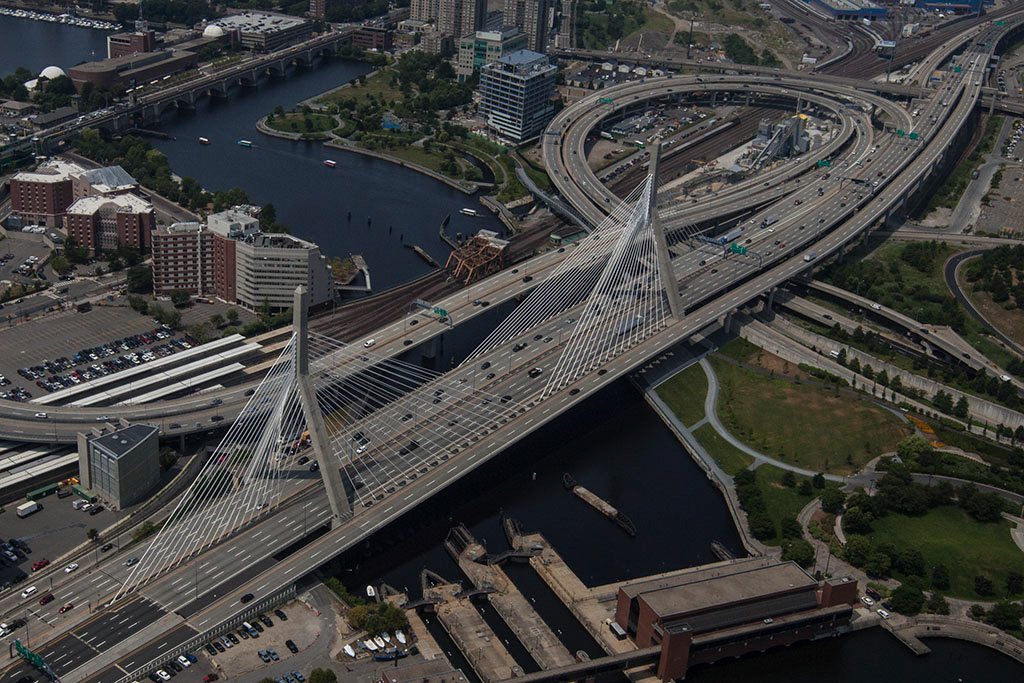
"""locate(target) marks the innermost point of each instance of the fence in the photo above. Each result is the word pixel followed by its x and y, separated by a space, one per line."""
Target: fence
pixel 227 625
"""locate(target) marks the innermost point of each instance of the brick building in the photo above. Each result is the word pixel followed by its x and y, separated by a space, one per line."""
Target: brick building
pixel 102 223
pixel 373 38
pixel 134 42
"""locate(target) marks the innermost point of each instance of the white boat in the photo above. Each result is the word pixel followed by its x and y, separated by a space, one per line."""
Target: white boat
pixel 370 645
pixel 469 212
pixel 386 636
pixel 331 163
pixel 204 141
pixel 400 636
pixel 370 593
pixel 349 651
pixel 380 642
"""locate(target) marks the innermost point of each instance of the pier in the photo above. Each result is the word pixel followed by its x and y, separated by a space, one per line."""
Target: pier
pixel 535 635
pixel 360 267
pixel 424 255
pixel 478 643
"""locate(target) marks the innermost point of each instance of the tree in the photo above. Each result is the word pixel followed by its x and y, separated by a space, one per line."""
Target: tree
pixel 911 447
pixel 857 550
pixel 791 528
pixel 1014 583
pixel 799 551
pixel 99 271
pixel 180 297
pixel 940 577
pixel 910 561
pixel 357 617
pixel 984 586
pixel 878 565
pixel 319 675
pixel 788 479
pixel 167 458
pixel 386 618
pixel 818 481
pixel 761 526
pixel 907 599
pixel 232 316
pixel 832 500
pixel 937 604
pixel 962 408
pixel 1005 615
pixel 805 488
pixel 93 535
pixel 856 521
pixel 60 264
pixel 140 279
pixel 943 401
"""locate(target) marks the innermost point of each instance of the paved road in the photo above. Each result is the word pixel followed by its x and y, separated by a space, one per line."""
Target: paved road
pixel 950 272
pixel 969 206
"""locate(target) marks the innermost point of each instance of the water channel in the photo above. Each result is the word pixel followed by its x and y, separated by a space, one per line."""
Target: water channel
pixel 612 443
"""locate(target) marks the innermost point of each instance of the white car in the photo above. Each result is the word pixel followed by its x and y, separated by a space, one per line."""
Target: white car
pixel 71 567
pixel 261 506
pixel 183 660
pixel 882 613
pixel 163 675
pixel 28 591
pixel 876 307
pixel 867 601
pixel 369 342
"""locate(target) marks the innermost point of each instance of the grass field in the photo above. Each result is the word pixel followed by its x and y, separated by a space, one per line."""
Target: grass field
pixel 804 424
pixel 728 457
pixel 377 85
pixel 782 501
pixel 946 535
pixel 417 155
pixel 296 123
pixel 684 393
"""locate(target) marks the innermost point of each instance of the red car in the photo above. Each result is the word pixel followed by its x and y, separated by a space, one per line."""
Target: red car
pixel 46 598
pixel 66 607
pixel 36 566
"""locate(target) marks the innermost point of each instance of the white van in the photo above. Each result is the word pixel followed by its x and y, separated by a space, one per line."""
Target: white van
pixel 368 343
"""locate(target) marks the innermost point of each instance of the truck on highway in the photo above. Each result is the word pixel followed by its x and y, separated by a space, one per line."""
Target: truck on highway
pixel 606 135
pixel 26 509
pixel 730 236
pixel 809 256
pixel 770 220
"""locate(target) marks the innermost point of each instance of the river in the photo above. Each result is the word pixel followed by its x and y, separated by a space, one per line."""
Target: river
pixel 612 443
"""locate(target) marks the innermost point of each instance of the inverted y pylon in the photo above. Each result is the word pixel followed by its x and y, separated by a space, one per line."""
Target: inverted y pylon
pixel 675 303
pixel 319 440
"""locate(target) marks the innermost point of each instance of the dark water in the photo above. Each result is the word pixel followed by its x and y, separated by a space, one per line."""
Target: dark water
pixel 402 206
pixel 36 45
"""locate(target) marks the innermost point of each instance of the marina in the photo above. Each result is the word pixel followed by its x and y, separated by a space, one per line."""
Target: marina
pixel 65 18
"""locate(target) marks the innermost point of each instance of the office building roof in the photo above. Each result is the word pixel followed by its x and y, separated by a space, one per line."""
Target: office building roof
pixel 50 171
pixel 127 203
pixel 258 22
pixel 120 442
pixel 109 178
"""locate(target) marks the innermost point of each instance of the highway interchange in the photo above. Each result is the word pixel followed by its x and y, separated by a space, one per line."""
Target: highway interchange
pixel 843 210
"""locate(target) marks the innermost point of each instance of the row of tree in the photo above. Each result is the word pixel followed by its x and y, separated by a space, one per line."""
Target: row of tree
pixel 1000 272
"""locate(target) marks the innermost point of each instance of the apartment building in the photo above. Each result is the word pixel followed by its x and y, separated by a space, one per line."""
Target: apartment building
pixel 102 223
pixel 515 94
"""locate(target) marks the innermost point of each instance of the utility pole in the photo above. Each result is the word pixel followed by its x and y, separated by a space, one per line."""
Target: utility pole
pixel 689 41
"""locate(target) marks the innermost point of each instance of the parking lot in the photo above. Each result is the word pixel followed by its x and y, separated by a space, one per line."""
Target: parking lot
pixel 21 246
pixel 63 335
pixel 49 533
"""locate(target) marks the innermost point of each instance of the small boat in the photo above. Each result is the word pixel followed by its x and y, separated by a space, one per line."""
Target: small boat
pixel 380 642
pixel 245 143
pixel 400 636
pixel 386 636
pixel 330 163
pixel 349 651
pixel 469 212
pixel 389 655
pixel 370 593
pixel 204 141
pixel 370 645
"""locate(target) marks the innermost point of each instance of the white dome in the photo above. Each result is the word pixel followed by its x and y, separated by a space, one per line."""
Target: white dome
pixel 213 31
pixel 52 72
pixel 31 85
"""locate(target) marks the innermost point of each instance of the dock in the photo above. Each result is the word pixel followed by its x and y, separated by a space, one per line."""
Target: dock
pixel 908 638
pixel 360 267
pixel 424 255
pixel 476 640
pixel 535 635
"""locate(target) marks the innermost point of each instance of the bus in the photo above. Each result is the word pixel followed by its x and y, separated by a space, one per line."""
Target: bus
pixel 640 144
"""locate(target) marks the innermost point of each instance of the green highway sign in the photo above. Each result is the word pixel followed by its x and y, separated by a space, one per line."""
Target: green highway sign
pixel 737 249
pixel 900 133
pixel 605 100
pixel 913 136
pixel 824 162
pixel 956 70
pixel 440 311
pixel 27 654
pixel 1000 23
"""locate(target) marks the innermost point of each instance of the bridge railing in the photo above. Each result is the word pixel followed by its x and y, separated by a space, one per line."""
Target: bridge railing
pixel 229 624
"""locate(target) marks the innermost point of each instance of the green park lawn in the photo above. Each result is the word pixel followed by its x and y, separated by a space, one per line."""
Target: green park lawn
pixel 782 501
pixel 684 393
pixel 947 535
pixel 804 424
pixel 728 457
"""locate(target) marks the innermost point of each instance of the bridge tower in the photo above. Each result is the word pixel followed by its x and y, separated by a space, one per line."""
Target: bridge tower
pixel 675 303
pixel 319 441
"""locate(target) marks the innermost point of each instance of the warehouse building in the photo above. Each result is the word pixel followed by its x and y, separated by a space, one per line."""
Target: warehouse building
pixel 120 464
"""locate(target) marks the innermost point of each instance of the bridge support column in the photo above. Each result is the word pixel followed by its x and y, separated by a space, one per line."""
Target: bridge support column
pixel 675 304
pixel 329 472
pixel 771 302
pixel 799 104
pixel 714 98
